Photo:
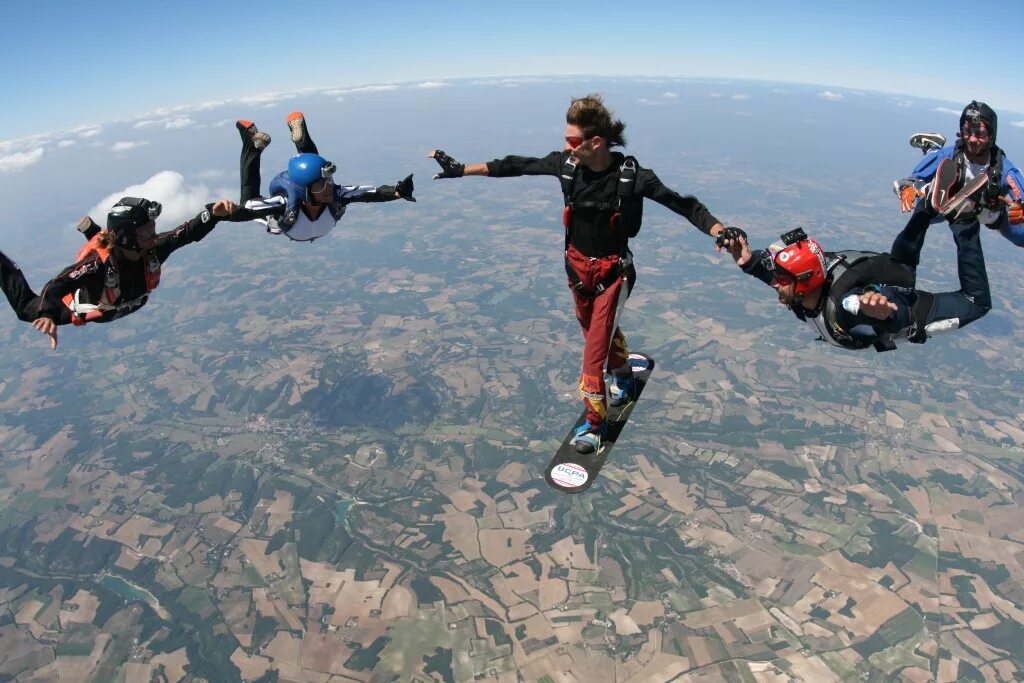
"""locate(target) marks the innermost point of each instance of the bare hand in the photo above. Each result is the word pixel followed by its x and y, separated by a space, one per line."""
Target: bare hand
pixel 47 327
pixel 738 249
pixel 875 305
pixel 224 207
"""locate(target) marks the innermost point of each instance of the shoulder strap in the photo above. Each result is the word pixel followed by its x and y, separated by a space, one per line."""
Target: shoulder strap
pixel 627 179
pixel 567 178
pixel 995 175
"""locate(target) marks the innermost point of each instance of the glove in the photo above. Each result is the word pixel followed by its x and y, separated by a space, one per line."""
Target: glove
pixel 404 188
pixel 908 197
pixel 730 233
pixel 449 167
pixel 1016 213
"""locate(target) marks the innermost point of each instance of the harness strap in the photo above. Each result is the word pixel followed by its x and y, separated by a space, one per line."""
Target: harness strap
pixel 604 283
pixel 625 188
pixel 919 313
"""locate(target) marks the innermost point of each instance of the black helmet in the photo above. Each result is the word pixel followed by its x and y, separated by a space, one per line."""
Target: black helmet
pixel 979 112
pixel 129 214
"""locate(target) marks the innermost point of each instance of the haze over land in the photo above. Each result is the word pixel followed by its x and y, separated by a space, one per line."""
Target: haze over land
pixel 323 461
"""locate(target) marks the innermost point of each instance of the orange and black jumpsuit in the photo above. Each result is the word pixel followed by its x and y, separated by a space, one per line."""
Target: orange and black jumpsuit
pixel 89 276
pixel 595 250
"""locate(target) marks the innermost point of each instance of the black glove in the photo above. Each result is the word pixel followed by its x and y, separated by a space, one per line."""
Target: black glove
pixel 729 233
pixel 404 188
pixel 449 167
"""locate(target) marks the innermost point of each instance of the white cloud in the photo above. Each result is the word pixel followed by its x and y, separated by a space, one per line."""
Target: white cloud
pixel 433 84
pixel 180 200
pixel 1018 124
pixel 829 95
pixel 66 143
pixel 363 88
pixel 670 95
pixel 903 103
pixel 19 160
pixel 126 146
pixel 653 103
pixel 180 122
pixel 514 81
pixel 206 106
pixel 223 122
pixel 87 131
pixel 740 98
pixel 947 110
pixel 266 100
pixel 146 123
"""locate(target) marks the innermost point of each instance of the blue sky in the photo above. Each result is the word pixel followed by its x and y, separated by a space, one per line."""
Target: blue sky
pixel 66 64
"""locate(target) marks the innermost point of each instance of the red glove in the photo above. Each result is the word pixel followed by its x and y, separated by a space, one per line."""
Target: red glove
pixel 908 197
pixel 1016 213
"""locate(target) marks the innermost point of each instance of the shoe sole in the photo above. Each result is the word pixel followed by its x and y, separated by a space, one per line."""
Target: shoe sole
pixel 297 125
pixel 259 139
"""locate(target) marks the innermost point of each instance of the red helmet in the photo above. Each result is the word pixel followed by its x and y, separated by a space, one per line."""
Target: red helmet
pixel 801 263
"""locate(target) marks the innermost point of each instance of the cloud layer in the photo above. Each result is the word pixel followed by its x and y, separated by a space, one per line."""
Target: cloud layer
pixel 19 160
pixel 180 200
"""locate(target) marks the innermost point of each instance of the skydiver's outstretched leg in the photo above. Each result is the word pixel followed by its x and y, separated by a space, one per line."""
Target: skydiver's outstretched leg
pixel 974 298
pixel 253 144
pixel 952 310
pixel 300 134
pixel 906 248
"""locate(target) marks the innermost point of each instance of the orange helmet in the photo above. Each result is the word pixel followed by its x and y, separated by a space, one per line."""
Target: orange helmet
pixel 799 260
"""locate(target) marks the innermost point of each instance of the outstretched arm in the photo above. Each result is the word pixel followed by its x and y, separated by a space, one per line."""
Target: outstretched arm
pixel 687 206
pixel 403 189
pixel 194 229
pixel 752 263
pixel 348 194
pixel 510 166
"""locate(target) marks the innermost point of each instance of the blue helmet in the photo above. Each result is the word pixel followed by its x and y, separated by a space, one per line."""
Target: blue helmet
pixel 306 169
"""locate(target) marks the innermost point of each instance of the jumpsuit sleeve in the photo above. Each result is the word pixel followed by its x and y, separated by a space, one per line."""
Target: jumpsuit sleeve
pixel 757 266
pixel 687 206
pixel 188 232
pixel 512 166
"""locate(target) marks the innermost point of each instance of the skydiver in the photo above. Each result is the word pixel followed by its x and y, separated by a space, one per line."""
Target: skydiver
pixel 857 300
pixel 603 192
pixel 114 273
pixel 304 202
pixel 959 168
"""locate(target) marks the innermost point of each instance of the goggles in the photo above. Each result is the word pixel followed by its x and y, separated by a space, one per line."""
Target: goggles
pixel 783 277
pixel 975 131
pixel 574 141
pixel 321 185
